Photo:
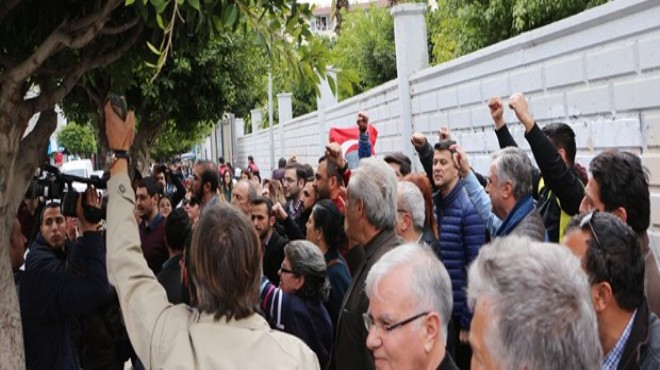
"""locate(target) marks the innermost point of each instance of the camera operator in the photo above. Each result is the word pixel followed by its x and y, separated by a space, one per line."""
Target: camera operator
pixel 170 182
pixel 63 280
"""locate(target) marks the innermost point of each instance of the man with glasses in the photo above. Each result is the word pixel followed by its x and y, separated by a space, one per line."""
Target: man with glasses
pixel 410 305
pixel 612 258
pixel 619 184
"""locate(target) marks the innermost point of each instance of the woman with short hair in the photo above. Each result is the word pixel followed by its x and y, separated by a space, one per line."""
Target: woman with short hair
pixel 297 305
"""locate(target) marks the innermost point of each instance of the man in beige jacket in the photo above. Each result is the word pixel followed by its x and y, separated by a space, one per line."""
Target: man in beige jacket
pixel 224 331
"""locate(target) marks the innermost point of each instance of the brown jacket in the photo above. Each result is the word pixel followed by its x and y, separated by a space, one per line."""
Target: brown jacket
pixel 167 336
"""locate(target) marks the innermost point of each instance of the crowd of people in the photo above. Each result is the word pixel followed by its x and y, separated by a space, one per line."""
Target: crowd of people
pixel 322 266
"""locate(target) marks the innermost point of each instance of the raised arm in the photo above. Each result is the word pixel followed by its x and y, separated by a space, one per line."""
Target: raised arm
pixel 563 182
pixel 141 297
pixel 504 137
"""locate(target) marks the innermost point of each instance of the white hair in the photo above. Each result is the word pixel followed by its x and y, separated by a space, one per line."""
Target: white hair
pixel 429 281
pixel 375 183
pixel 538 302
pixel 410 199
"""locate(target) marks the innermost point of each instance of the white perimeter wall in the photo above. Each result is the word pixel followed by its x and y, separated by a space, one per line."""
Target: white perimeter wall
pixel 599 71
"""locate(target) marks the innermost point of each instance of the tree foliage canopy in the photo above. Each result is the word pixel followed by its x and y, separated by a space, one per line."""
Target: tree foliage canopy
pixel 77 139
pixel 460 27
pixel 365 49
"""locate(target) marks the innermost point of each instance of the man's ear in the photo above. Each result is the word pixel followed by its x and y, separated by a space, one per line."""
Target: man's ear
pixel 207 187
pixel 301 183
pixel 602 296
pixel 432 329
pixel 621 213
pixel 271 221
pixel 507 190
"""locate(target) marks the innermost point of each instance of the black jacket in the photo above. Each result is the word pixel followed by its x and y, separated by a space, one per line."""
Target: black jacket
pixel 170 278
pixel 642 350
pixel 54 289
pixel 349 350
pixel 274 256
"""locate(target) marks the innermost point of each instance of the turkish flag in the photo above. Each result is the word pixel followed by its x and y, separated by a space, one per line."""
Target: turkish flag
pixel 348 138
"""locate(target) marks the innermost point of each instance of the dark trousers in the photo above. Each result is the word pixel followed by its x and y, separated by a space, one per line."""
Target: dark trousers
pixel 461 353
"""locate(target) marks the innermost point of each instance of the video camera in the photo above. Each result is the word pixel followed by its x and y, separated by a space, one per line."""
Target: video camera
pixel 50 183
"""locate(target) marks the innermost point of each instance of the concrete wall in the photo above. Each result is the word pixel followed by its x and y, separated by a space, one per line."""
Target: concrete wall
pixel 599 71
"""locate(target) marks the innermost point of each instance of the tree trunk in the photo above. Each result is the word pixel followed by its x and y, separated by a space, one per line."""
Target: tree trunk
pixel 145 138
pixel 339 5
pixel 19 160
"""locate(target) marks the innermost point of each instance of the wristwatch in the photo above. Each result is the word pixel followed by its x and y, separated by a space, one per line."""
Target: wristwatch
pixel 114 155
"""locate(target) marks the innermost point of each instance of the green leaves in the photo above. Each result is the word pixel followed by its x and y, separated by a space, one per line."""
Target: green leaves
pixel 77 139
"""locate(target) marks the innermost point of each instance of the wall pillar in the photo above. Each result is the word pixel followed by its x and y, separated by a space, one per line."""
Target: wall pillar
pixel 285 114
pixel 411 56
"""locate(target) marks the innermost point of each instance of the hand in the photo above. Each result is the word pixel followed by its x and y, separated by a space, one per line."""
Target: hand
pixel 518 104
pixel 333 154
pixel 464 336
pixel 418 140
pixel 362 122
pixel 279 212
pixel 94 200
pixel 120 133
pixel 343 196
pixel 292 159
pixel 460 160
pixel 497 111
pixel 444 134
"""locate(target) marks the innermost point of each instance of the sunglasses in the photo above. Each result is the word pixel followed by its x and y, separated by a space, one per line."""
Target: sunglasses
pixel 587 221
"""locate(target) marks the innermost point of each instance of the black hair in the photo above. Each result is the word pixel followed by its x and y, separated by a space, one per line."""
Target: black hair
pixel 623 182
pixel 221 160
pixel 51 204
pixel 210 176
pixel 151 185
pixel 614 254
pixel 331 222
pixel 259 200
pixel 281 163
pixel 333 171
pixel 301 172
pixel 177 229
pixel 405 165
pixel 444 145
pixel 562 136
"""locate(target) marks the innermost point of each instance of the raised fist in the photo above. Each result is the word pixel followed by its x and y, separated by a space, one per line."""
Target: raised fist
pixel 496 111
pixel 518 104
pixel 444 134
pixel 418 140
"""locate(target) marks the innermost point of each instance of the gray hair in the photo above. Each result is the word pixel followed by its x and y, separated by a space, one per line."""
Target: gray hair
pixel 307 261
pixel 410 199
pixel 538 303
pixel 429 280
pixel 252 189
pixel 375 183
pixel 514 166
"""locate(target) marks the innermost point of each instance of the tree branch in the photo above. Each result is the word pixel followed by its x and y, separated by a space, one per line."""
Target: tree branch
pixel 7 6
pixel 32 150
pixel 45 101
pixel 109 30
pixel 59 37
pixel 93 18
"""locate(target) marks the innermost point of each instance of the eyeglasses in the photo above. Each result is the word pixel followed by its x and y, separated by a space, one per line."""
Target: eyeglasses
pixel 370 323
pixel 286 270
pixel 586 221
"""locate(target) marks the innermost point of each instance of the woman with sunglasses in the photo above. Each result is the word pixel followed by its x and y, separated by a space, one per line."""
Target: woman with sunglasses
pixel 297 305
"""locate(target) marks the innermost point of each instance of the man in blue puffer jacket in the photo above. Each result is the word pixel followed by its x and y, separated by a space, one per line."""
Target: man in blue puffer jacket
pixel 462 233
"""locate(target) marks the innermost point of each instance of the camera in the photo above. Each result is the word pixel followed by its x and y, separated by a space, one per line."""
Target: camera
pixel 50 183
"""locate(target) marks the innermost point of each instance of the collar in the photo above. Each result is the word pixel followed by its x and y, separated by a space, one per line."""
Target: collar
pixel 639 337
pixel 522 208
pixel 330 255
pixel 172 261
pixel 381 238
pixel 152 225
pixel 451 196
pixel 613 357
